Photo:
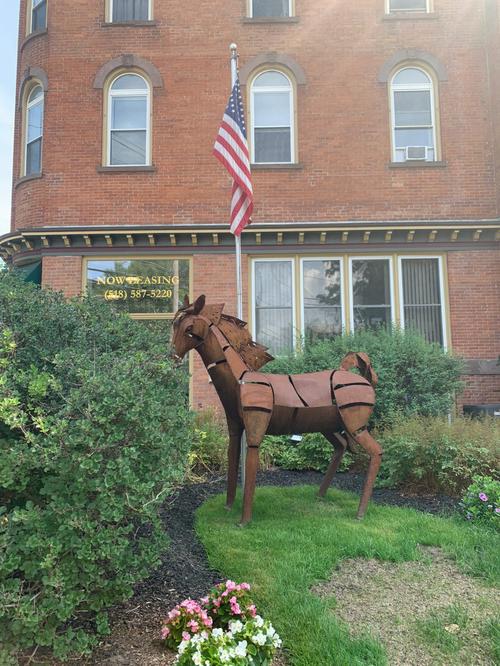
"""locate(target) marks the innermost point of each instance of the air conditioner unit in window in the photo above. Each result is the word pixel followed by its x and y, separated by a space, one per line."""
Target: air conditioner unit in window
pixel 416 152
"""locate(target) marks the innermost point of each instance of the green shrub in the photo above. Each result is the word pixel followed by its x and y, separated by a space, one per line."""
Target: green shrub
pixel 414 377
pixel 208 455
pixel 431 454
pixel 94 433
pixel 313 452
pixel 481 502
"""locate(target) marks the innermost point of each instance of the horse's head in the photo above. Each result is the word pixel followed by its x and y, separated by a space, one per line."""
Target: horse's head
pixel 191 325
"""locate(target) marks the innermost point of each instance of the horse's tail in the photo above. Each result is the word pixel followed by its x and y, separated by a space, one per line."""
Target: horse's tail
pixel 361 361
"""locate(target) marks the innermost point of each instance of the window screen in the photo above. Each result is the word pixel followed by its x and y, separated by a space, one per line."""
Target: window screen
pixel 274 305
pixel 422 306
pixel 130 10
pixel 322 298
pixel 270 8
pixel 371 293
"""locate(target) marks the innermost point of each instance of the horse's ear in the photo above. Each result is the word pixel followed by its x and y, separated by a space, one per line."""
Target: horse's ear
pixel 214 312
pixel 199 304
pixel 186 301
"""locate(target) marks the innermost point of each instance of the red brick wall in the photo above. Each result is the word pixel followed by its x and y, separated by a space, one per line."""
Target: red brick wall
pixel 63 274
pixel 343 117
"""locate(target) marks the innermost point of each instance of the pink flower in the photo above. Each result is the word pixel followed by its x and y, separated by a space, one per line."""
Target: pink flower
pixel 497 510
pixel 230 585
pixel 165 632
pixel 174 613
pixel 252 610
pixel 483 497
pixel 235 607
pixel 245 586
pixel 186 636
pixel 204 600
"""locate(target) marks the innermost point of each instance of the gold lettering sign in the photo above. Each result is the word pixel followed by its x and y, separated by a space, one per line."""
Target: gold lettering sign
pixel 140 286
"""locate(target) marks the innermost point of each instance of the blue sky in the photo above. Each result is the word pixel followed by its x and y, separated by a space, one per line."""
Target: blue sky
pixel 8 57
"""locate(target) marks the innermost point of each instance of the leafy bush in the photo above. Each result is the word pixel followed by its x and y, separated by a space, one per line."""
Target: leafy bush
pixel 313 452
pixel 481 502
pixel 415 377
pixel 431 454
pixel 94 433
pixel 208 453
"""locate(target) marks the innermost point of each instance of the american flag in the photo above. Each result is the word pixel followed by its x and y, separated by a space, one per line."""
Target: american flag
pixel 231 149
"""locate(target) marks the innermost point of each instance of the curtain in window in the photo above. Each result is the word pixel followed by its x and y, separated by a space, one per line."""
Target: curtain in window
pixel 271 8
pixel 272 118
pixel 422 298
pixel 274 305
pixel 39 15
pixel 409 4
pixel 322 290
pixel 371 293
pixel 130 10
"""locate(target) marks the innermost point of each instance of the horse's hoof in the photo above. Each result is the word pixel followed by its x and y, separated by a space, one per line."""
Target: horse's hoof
pixel 243 523
pixel 228 507
pixel 359 517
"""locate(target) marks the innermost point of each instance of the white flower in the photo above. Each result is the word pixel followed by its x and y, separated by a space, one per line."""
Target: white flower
pixel 277 642
pixel 259 639
pixel 197 659
pixel 235 627
pixel 241 649
pixel 217 633
pixel 271 631
pixel 258 621
pixel 182 647
pixel 224 656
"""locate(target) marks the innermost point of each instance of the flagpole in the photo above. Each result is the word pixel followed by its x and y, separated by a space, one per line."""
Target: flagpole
pixel 239 281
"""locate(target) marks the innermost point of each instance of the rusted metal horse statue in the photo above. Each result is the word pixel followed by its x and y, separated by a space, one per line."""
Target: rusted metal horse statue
pixel 336 403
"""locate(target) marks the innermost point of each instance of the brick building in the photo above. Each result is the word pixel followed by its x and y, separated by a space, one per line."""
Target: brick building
pixel 374 129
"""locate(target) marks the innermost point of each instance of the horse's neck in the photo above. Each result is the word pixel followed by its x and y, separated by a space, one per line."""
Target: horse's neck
pixel 226 366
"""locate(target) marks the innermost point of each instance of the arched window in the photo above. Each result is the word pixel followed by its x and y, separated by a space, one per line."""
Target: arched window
pixel 37 15
pixel 33 131
pixel 413 116
pixel 128 135
pixel 272 119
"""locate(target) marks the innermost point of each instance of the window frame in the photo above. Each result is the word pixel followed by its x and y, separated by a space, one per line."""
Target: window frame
pixel 29 18
pixel 253 305
pixel 434 115
pixel 109 94
pixel 428 9
pixel 340 259
pixel 392 304
pixel 293 115
pixel 26 107
pixel 291 11
pixel 442 292
pixel 109 12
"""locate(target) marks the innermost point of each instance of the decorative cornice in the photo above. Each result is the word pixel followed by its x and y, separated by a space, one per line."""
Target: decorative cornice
pixel 411 55
pixel 129 61
pixel 273 58
pixel 440 235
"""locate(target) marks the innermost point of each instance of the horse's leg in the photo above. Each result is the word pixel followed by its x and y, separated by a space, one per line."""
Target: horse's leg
pixel 339 448
pixel 235 429
pixel 374 450
pixel 256 423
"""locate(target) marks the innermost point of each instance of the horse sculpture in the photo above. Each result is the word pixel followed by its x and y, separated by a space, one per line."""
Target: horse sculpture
pixel 336 403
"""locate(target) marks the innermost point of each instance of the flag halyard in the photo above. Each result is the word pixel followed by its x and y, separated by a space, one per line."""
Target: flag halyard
pixel 231 149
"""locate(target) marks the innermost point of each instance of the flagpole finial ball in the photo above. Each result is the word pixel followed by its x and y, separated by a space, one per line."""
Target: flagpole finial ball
pixel 233 47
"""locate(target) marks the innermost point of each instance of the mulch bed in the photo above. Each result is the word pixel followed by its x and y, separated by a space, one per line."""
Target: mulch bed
pixel 185 572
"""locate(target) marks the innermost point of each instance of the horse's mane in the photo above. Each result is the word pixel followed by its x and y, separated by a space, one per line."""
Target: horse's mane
pixel 238 336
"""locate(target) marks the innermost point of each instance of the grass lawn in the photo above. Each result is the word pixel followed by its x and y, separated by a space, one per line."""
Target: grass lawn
pixel 297 541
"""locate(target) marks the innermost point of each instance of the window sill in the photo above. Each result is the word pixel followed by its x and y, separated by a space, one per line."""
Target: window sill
pixel 26 179
pixel 126 169
pixel 129 24
pixel 410 16
pixel 270 19
pixel 33 35
pixel 276 167
pixel 417 164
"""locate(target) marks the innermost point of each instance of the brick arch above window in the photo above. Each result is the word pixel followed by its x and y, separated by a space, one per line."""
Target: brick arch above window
pixel 32 74
pixel 128 61
pixel 273 59
pixel 408 56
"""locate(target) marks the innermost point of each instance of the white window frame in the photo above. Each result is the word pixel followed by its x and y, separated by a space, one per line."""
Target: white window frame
pixel 391 286
pixel 340 259
pixel 110 17
pixel 272 89
pixel 441 291
pixel 30 16
pixel 290 10
pixel 129 93
pixel 389 10
pixel 413 88
pixel 27 107
pixel 291 261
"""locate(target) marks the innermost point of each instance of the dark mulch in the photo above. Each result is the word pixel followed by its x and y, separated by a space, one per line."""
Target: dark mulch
pixel 185 571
